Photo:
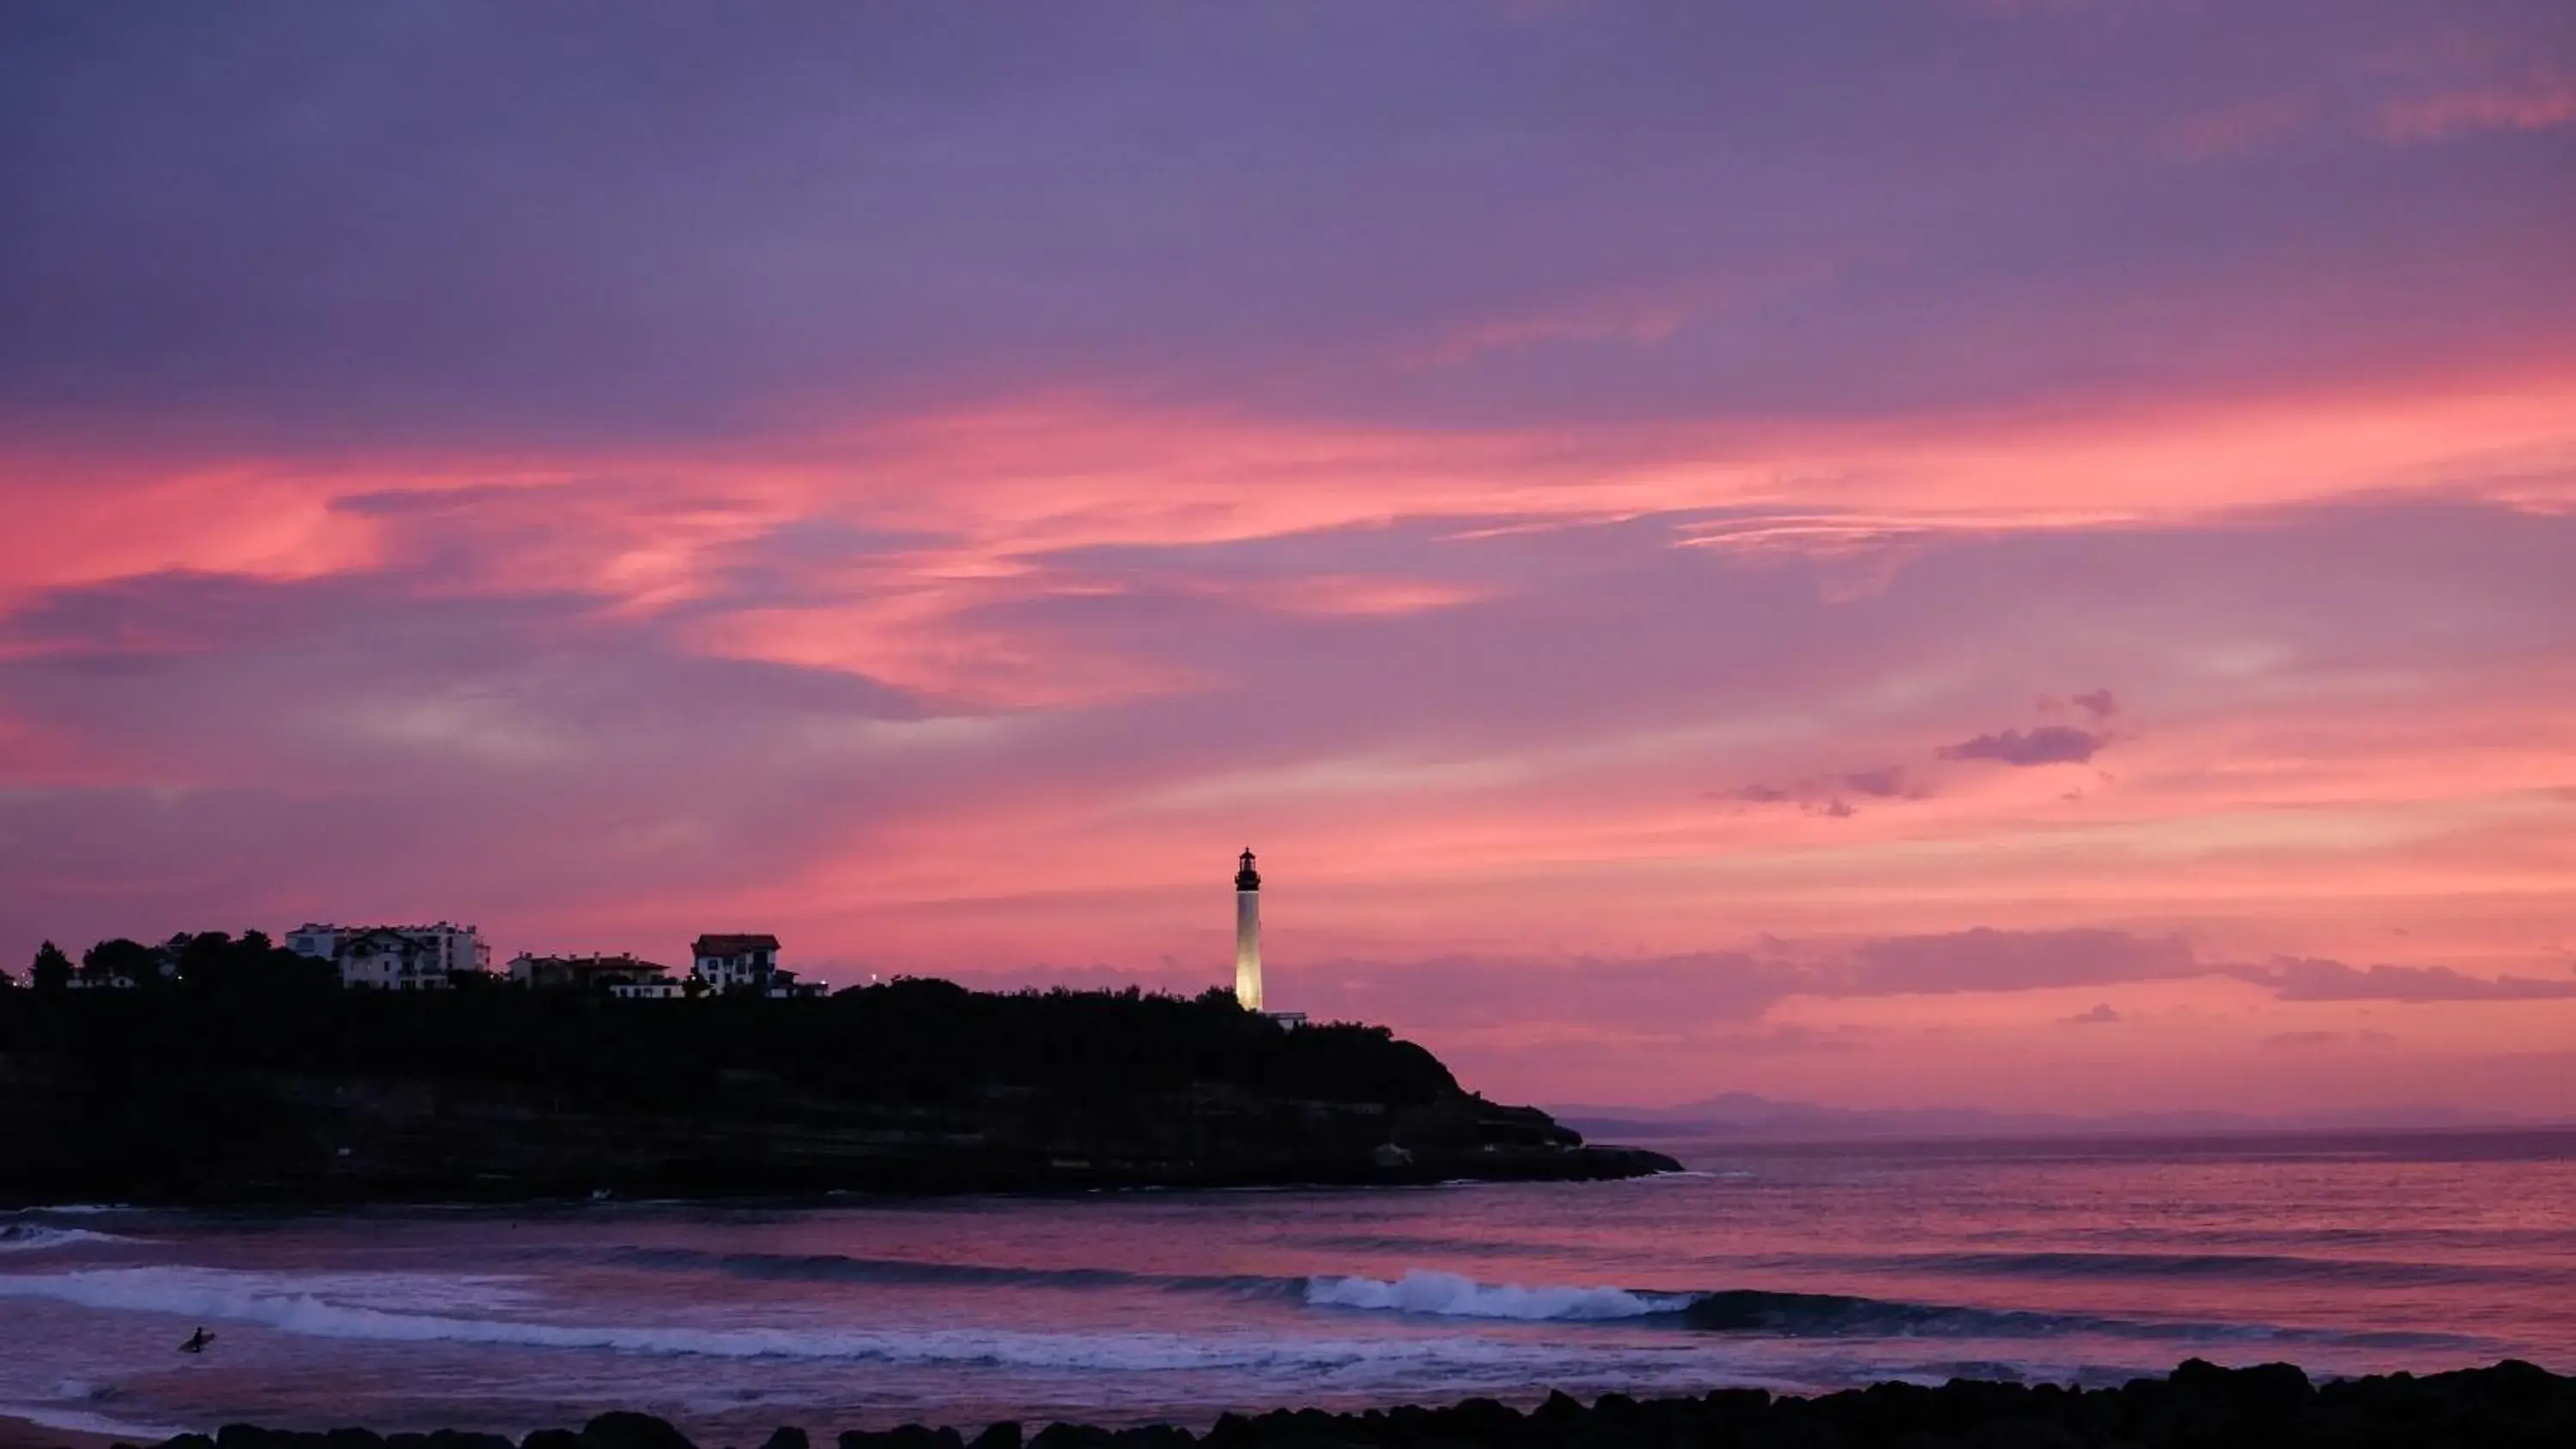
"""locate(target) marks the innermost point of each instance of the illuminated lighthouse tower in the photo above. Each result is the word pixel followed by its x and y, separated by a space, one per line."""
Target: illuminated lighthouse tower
pixel 1247 934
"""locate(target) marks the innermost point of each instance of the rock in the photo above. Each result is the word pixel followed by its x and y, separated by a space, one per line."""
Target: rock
pixel 623 1430
pixel 1562 1411
pixel 2024 1434
pixel 2200 1405
pixel 2513 1381
pixel 1481 1420
pixel 566 1103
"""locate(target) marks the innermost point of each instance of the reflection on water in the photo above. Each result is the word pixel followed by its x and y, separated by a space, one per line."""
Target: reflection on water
pixel 1786 1266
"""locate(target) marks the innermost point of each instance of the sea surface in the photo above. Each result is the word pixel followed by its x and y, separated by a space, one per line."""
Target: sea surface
pixel 2085 1262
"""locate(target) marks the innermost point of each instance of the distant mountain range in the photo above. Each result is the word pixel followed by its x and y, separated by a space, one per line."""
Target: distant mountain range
pixel 1744 1115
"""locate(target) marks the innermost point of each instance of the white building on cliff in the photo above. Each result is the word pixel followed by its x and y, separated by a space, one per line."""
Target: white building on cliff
pixel 395 958
pixel 739 962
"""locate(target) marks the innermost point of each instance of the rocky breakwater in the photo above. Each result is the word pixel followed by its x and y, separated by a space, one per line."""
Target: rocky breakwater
pixel 498 1095
pixel 2274 1406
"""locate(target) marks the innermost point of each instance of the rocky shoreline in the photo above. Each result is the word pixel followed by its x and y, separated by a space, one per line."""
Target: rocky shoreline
pixel 2201 1405
pixel 454 1154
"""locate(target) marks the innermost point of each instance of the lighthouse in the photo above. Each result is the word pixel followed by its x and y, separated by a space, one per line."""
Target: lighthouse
pixel 1247 933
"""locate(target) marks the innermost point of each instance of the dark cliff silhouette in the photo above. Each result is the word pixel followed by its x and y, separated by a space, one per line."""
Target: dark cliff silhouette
pixel 256 1080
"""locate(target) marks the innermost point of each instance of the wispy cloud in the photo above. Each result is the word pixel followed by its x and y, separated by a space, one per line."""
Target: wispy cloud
pixel 2313 980
pixel 1609 545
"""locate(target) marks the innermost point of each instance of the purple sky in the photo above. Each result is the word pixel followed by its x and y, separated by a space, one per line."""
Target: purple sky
pixel 1999 553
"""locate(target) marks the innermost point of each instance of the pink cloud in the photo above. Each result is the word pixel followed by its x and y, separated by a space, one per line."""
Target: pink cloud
pixel 904 545
pixel 2538 106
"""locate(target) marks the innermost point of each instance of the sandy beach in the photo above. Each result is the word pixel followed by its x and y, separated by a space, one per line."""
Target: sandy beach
pixel 20 1433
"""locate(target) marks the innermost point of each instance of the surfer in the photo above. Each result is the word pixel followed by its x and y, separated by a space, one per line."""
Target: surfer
pixel 197 1342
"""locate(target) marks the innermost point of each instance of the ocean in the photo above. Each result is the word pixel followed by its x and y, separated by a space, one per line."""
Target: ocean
pixel 2077 1262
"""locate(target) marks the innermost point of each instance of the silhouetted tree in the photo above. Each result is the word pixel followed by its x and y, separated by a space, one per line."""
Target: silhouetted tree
pixel 214 961
pixel 117 957
pixel 214 1083
pixel 242 1004
pixel 203 959
pixel 51 970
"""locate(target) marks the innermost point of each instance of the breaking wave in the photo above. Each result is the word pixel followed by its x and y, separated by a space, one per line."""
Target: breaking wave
pixel 84 1421
pixel 36 1237
pixel 1450 1295
pixel 501 1310
pixel 319 1307
pixel 1739 1310
pixel 1758 1313
pixel 1432 1293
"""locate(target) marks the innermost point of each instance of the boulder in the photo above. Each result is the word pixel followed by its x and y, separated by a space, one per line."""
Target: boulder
pixel 623 1430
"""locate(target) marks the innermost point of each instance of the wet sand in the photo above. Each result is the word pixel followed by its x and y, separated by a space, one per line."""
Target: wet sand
pixel 28 1434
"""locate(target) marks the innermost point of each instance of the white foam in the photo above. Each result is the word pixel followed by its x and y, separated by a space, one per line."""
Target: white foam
pixel 1450 1295
pixel 82 1421
pixel 36 1237
pixel 330 1306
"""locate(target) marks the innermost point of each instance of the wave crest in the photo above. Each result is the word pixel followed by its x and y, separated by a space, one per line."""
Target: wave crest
pixel 36 1237
pixel 1452 1295
pixel 344 1307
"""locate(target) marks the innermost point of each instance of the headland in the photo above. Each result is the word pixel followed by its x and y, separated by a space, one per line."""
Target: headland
pixel 275 1092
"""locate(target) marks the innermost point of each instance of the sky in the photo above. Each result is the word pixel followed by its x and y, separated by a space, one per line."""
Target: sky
pixel 1955 553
